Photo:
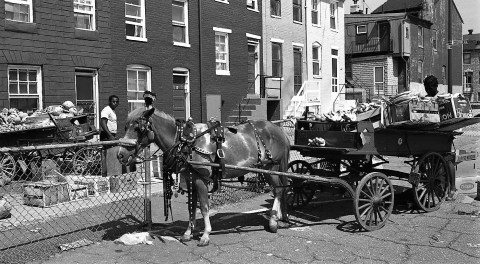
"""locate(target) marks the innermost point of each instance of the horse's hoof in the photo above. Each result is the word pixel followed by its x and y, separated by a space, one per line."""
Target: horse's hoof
pixel 203 243
pixel 273 226
pixel 186 238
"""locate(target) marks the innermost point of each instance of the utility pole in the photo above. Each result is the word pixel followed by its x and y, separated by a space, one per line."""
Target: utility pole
pixel 449 47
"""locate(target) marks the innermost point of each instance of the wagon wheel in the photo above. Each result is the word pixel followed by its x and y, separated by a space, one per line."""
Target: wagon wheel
pixel 300 193
pixel 373 201
pixel 432 186
pixel 7 166
pixel 87 161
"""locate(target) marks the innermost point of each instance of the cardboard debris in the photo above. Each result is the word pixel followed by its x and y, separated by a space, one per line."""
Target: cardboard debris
pixel 134 239
pixel 76 244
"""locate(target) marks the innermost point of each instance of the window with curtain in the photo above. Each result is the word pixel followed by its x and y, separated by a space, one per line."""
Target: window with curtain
pixel 135 19
pixel 275 8
pixel 180 21
pixel 221 53
pixel 138 81
pixel 84 12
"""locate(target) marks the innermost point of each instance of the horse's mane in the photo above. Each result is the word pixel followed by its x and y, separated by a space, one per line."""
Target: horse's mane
pixel 138 112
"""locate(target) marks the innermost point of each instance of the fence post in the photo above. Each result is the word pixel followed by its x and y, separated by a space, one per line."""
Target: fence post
pixel 148 190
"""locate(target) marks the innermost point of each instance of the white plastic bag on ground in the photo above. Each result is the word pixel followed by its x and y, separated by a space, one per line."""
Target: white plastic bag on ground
pixel 134 239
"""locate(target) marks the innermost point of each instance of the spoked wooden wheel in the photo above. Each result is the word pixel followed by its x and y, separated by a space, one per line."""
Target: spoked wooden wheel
pixel 433 183
pixel 87 161
pixel 7 166
pixel 373 201
pixel 300 192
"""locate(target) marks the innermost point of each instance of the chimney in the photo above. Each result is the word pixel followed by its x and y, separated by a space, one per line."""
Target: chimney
pixel 470 31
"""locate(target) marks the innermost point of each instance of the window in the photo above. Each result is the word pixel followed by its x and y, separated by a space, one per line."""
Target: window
pixel 333 15
pixel 316 58
pixel 434 39
pixel 180 21
pixel 84 12
pixel 138 81
pixel 444 74
pixel 297 10
pixel 277 57
pixel 275 8
pixel 420 37
pixel 86 92
pixel 25 87
pixel 252 4
pixel 334 70
pixel 222 52
pixel 19 10
pixel 467 58
pixel 378 79
pixel 315 16
pixel 181 93
pixel 420 71
pixel 468 81
pixel 135 19
pixel 361 29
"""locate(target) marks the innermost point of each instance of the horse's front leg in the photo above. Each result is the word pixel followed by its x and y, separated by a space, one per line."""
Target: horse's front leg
pixel 279 208
pixel 192 208
pixel 202 194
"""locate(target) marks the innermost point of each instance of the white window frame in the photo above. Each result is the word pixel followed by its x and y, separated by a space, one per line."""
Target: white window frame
pixel 375 89
pixel 22 2
pixel 334 15
pixel 316 10
pixel 222 32
pixel 91 13
pixel 279 42
pixel 318 60
pixel 183 24
pixel 420 37
pixel 360 31
pixel 39 82
pixel 138 68
pixel 142 23
pixel 222 1
pixel 252 5
pixel 335 79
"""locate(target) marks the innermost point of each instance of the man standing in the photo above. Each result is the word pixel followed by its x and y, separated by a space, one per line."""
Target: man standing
pixel 108 121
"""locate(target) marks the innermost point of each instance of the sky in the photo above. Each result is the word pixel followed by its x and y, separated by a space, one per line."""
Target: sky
pixel 469 10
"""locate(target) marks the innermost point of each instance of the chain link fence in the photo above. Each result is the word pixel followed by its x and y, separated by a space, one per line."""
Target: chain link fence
pixel 57 198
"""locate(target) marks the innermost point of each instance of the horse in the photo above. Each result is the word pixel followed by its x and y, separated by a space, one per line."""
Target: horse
pixel 246 145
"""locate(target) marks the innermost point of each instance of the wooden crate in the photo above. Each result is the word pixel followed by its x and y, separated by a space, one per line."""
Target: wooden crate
pixel 78 192
pixel 45 193
pixel 97 185
pixel 123 182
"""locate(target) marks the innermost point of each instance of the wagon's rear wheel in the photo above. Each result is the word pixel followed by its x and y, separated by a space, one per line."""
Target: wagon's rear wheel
pixel 373 201
pixel 7 167
pixel 300 192
pixel 432 185
pixel 87 161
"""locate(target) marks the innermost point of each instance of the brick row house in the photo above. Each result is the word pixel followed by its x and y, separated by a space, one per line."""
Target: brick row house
pixel 203 58
pixel 471 65
pixel 398 45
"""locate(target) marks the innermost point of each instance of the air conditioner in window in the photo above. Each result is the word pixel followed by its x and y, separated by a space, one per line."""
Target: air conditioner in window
pixel 251 4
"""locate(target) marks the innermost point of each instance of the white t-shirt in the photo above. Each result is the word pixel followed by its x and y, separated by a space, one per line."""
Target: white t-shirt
pixel 111 117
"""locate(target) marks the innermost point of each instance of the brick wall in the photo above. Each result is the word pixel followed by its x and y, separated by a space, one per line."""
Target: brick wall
pixel 52 43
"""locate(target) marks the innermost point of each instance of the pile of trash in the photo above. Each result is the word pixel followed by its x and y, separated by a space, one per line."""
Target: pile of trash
pixel 12 119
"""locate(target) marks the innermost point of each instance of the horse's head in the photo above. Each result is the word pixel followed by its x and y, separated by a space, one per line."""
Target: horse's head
pixel 138 135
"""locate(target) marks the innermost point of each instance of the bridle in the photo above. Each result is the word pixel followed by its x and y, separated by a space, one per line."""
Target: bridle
pixel 144 131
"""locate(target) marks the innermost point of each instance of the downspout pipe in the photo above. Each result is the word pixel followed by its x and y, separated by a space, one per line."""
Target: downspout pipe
pixel 450 47
pixel 307 45
pixel 200 44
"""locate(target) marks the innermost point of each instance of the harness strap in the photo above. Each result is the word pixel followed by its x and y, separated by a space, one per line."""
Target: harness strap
pixel 259 139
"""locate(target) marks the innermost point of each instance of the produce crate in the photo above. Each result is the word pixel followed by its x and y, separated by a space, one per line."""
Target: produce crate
pixel 413 111
pixel 78 192
pixel 123 182
pixel 454 107
pixel 45 193
pixel 30 136
pixel 97 185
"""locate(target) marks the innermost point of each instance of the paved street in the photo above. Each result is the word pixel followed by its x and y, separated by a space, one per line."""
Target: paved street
pixel 322 232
